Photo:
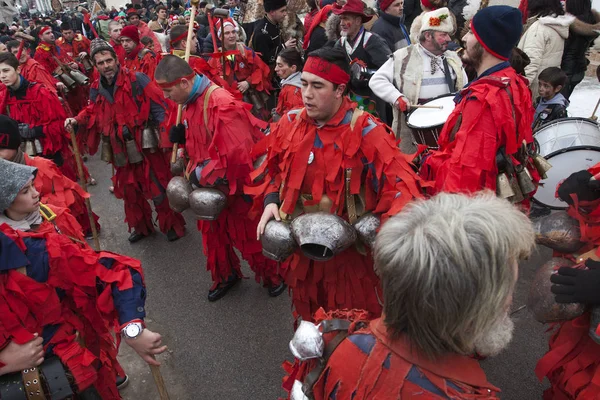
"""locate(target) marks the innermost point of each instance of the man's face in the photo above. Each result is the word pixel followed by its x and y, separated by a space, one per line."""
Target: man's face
pixel 194 45
pixel 134 20
pixel 187 19
pixel 230 37
pixel 283 69
pixel 48 36
pixel 350 24
pixel 8 75
pixel 395 8
pixel 178 93
pixel 436 42
pixel 278 15
pixel 3 48
pixel 320 97
pixel 8 154
pixel 232 3
pixel 106 64
pixel 162 14
pixel 27 200
pixel 128 44
pixel 546 90
pixel 24 55
pixel 68 34
pixel 473 54
pixel 115 32
pixel 31 24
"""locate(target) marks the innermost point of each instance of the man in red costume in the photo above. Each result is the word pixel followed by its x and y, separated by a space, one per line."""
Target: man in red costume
pixel 52 58
pixel 137 57
pixel 74 44
pixel 54 188
pixel 572 363
pixel 39 114
pixel 218 133
pixel 134 20
pixel 122 104
pixel 33 70
pixel 446 296
pixel 488 134
pixel 114 30
pixel 245 71
pixel 59 300
pixel 327 155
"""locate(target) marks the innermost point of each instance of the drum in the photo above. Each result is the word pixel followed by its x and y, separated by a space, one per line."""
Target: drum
pixel 427 123
pixel 570 145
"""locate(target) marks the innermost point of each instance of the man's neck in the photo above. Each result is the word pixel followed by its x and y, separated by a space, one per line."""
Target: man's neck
pixel 270 19
pixel 487 63
pixel 353 36
pixel 330 117
pixel 230 46
pixel 434 51
pixel 16 85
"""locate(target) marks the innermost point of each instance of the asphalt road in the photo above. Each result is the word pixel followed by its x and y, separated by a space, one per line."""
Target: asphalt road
pixel 233 349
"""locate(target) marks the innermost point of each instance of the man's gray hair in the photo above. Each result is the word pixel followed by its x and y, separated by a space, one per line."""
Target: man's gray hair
pixel 447 269
pixel 422 37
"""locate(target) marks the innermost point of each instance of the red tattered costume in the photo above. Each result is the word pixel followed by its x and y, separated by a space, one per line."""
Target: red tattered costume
pixel 290 96
pixel 131 103
pixel 221 148
pixel 367 364
pixel 495 111
pixel 305 162
pixel 36 106
pixel 119 51
pixel 96 297
pixel 140 60
pixel 33 71
pixel 572 363
pixel 79 44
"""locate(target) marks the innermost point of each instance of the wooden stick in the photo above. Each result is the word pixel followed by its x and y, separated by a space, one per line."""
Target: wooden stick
pixel 593 117
pixel 160 382
pixel 188 50
pixel 424 106
pixel 83 183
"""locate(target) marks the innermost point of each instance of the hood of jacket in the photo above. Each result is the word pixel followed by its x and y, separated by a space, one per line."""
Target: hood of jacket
pixel 559 23
pixel 332 27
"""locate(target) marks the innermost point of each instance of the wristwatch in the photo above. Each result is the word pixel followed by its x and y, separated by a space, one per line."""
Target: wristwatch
pixel 132 330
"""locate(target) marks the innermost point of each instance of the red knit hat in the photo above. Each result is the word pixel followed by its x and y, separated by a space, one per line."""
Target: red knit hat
pixel 131 32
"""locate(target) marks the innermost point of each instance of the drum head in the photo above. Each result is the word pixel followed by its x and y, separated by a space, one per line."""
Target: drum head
pixel 430 117
pixel 564 163
pixel 567 132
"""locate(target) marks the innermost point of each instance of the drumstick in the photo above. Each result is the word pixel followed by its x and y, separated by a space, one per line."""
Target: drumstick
pixel 424 106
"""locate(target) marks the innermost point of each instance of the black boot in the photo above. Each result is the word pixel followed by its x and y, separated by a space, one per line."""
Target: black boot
pixel 135 237
pixel 276 290
pixel 223 288
pixel 122 382
pixel 172 235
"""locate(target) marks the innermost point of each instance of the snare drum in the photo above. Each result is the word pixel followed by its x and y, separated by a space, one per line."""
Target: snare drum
pixel 427 123
pixel 569 145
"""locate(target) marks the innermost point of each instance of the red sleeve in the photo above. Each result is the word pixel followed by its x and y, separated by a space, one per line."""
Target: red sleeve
pixel 148 65
pixel 53 123
pixel 260 76
pixel 37 73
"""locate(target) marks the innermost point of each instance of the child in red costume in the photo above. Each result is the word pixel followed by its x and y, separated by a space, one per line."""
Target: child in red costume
pixel 312 153
pixel 122 104
pixel 289 68
pixel 446 296
pixel 219 133
pixel 137 58
pixel 492 119
pixel 63 297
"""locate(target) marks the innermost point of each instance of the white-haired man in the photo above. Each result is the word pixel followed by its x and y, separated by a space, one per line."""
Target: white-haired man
pixel 448 268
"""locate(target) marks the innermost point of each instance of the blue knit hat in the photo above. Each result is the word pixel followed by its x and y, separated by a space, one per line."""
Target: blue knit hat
pixel 498 29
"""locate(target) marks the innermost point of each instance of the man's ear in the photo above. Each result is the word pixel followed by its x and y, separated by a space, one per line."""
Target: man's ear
pixel 341 89
pixel 558 88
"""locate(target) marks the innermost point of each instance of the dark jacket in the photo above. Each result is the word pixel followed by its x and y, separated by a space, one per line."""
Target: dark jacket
pixel 392 30
pixel 412 9
pixel 266 40
pixel 577 44
pixel 318 39
pixel 549 111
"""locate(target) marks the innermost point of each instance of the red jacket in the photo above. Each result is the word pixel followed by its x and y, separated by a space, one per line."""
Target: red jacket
pixel 33 71
pixel 79 44
pixel 119 50
pixel 48 54
pixel 290 97
pixel 141 60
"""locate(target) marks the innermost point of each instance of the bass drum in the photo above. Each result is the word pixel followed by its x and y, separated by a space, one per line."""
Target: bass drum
pixel 569 145
pixel 427 123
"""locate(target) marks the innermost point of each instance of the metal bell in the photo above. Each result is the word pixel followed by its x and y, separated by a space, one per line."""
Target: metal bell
pixel 542 165
pixel 134 156
pixel 178 194
pixel 541 300
pixel 120 159
pixel 257 163
pixel 87 64
pixel 79 78
pixel 277 241
pixel 30 148
pixel 149 139
pixel 107 153
pixel 67 80
pixel 366 228
pixel 322 235
pixel 558 231
pixel 39 149
pixel 503 189
pixel 525 181
pixel 178 167
pixel 297 393
pixel 307 342
pixel 594 322
pixel 207 203
pixel 514 185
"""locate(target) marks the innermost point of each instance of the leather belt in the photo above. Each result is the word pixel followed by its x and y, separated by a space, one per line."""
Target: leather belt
pixel 33 384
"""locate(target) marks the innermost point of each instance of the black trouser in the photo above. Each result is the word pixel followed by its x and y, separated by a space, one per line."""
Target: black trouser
pixel 572 81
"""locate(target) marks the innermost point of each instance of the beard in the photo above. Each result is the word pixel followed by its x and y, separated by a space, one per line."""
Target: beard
pixel 473 57
pixel 497 337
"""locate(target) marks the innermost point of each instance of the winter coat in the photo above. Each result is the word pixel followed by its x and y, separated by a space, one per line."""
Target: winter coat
pixel 544 42
pixel 581 36
pixel 392 29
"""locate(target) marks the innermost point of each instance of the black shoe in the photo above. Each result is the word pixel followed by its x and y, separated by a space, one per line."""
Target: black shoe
pixel 275 291
pixel 172 235
pixel 135 237
pixel 222 289
pixel 122 382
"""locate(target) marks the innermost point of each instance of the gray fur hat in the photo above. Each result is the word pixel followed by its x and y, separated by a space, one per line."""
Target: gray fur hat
pixel 13 177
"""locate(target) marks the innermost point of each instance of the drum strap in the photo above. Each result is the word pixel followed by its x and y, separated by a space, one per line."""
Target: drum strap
pixel 448 76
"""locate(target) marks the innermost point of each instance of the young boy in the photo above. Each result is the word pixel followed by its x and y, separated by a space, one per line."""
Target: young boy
pixel 148 43
pixel 551 104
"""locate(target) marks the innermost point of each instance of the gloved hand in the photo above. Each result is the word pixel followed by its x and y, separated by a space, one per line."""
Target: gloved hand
pixel 579 183
pixel 29 133
pixel 177 134
pixel 402 104
pixel 572 285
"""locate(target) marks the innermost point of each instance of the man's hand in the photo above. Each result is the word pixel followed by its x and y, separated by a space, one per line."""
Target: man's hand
pixel 70 123
pixel 402 104
pixel 147 345
pixel 177 134
pixel 290 43
pixel 572 285
pixel 271 211
pixel 243 86
pixel 18 357
pixel 61 87
pixel 82 55
pixel 73 65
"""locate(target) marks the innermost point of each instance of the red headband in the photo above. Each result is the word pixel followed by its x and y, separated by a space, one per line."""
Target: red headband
pixel 179 38
pixel 326 70
pixel 176 81
pixel 44 29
